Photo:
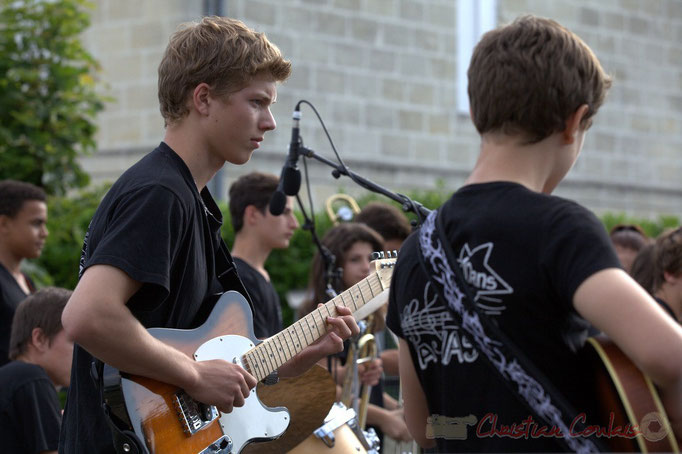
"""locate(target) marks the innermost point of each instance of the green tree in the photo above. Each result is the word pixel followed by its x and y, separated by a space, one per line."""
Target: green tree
pixel 47 93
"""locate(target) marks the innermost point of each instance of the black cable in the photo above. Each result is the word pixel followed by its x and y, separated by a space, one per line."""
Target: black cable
pixel 407 203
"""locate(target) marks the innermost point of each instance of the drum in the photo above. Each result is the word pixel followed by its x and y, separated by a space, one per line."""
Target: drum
pixel 334 437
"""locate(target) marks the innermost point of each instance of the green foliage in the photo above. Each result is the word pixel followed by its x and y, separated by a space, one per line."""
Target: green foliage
pixel 69 217
pixel 652 227
pixel 47 93
pixel 67 221
pixel 289 268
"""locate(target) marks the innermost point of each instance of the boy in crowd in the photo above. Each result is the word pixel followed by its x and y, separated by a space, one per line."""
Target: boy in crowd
pixel 30 412
pixel 667 275
pixel 23 218
pixel 257 233
pixel 389 221
pixel 540 266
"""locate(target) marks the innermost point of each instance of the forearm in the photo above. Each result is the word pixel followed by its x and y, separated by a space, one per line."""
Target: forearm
pixel 97 318
pixel 390 403
pixel 112 334
pixel 389 360
pixel 377 416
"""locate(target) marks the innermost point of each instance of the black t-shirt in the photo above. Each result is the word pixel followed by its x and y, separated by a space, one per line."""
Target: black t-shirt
pixel 666 307
pixel 30 413
pixel 10 297
pixel 154 225
pixel 524 255
pixel 267 316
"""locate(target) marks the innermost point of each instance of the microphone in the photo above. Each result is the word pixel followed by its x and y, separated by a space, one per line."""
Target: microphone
pixel 290 178
pixel 278 200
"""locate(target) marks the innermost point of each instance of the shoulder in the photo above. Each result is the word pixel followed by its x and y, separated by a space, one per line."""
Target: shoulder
pixel 245 271
pixel 158 175
pixel 16 374
pixel 22 370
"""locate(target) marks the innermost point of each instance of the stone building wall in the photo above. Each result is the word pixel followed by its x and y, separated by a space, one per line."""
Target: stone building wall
pixel 382 74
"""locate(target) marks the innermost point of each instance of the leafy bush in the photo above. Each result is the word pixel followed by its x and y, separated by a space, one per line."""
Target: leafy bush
pixel 67 221
pixel 47 93
pixel 653 228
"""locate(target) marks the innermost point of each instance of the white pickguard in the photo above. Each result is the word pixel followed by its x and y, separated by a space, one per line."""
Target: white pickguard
pixel 254 420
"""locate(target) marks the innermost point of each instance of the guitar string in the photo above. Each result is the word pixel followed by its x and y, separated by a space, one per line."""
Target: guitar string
pixel 362 287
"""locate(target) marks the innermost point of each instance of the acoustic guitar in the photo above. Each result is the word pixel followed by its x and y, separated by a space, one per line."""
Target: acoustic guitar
pixel 167 420
pixel 628 401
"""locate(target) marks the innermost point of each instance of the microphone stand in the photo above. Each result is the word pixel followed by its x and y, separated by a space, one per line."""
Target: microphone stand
pixel 407 203
pixel 329 260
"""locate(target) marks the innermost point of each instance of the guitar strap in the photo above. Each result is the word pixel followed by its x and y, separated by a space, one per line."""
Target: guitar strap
pixel 124 437
pixel 227 275
pixel 518 372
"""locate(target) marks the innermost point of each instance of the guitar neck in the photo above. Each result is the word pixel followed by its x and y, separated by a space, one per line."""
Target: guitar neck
pixel 270 354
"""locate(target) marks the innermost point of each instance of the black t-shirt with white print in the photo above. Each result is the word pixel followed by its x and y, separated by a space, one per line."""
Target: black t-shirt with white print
pixel 524 254
pixel 154 225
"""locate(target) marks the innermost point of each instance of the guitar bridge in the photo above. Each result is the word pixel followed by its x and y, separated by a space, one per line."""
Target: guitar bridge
pixel 193 415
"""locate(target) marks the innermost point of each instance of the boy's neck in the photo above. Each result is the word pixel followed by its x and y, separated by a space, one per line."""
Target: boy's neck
pixel 671 298
pixel 539 166
pixel 252 251
pixel 12 263
pixel 183 138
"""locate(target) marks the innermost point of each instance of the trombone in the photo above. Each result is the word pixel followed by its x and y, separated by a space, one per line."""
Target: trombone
pixel 354 394
pixel 347 208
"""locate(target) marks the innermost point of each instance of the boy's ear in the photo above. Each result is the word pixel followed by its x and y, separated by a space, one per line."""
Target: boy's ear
pixel 39 340
pixel 573 124
pixel 670 277
pixel 201 97
pixel 251 214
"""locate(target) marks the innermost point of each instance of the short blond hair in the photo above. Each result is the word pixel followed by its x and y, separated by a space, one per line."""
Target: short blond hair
pixel 221 52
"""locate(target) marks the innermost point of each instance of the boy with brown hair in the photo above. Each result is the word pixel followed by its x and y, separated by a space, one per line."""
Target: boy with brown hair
pixel 540 267
pixel 257 233
pixel 389 221
pixel 23 218
pixel 30 412
pixel 153 255
pixel 667 273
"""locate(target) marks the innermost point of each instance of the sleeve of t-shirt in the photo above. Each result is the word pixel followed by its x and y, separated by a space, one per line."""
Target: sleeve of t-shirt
pixel 576 247
pixel 38 415
pixel 143 235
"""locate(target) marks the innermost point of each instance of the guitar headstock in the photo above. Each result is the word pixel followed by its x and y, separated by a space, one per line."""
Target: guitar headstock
pixel 383 263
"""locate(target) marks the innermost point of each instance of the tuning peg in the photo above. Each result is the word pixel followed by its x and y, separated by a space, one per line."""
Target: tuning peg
pixel 376 255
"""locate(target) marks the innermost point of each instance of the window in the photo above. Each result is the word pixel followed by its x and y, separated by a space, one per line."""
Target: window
pixel 474 18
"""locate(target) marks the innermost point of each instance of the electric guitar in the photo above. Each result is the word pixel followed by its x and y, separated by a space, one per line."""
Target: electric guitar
pixel 167 420
pixel 629 401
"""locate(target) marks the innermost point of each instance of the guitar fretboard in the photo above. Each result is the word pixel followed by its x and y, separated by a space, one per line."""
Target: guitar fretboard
pixel 267 356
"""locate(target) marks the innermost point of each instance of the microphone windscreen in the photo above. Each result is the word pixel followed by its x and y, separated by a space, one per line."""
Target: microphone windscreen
pixel 277 203
pixel 291 180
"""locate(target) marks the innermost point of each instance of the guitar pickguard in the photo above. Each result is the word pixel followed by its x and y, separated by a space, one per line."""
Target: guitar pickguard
pixel 254 421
